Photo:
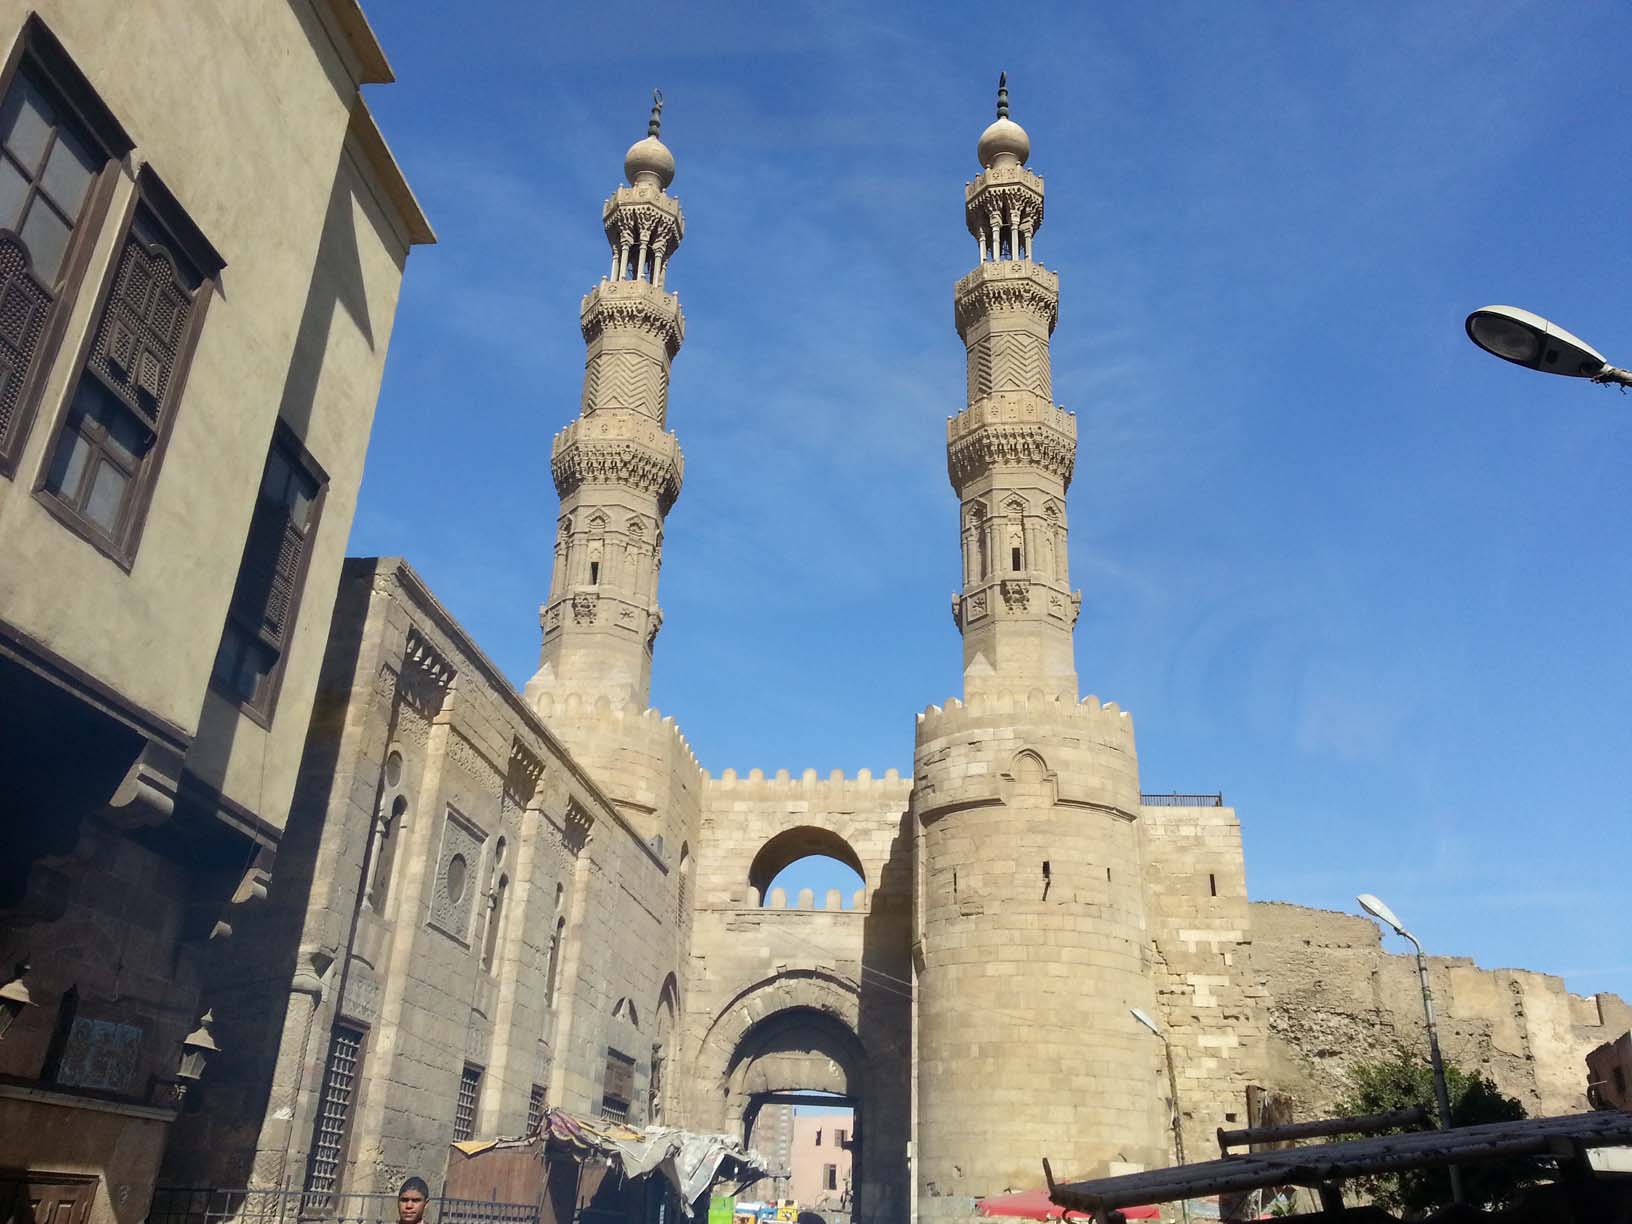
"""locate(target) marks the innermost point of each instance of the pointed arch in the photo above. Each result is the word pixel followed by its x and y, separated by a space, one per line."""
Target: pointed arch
pixel 1028 766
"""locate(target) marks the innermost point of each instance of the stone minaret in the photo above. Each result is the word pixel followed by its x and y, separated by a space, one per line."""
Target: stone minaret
pixel 1030 941
pixel 616 467
pixel 1010 452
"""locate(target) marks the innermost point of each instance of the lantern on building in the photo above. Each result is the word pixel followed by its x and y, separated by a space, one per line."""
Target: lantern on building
pixel 14 997
pixel 197 1048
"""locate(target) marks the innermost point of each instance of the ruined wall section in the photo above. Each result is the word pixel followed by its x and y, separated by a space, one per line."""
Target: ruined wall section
pixel 1338 999
pixel 832 970
pixel 1212 1005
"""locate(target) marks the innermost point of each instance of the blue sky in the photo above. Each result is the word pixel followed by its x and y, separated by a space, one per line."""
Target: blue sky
pixel 1365 580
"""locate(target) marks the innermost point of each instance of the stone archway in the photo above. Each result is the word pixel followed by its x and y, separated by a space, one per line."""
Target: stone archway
pixel 802 1031
pixel 790 845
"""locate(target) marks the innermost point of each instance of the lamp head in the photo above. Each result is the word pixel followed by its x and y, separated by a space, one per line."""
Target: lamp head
pixel 1375 907
pixel 1531 341
pixel 1145 1020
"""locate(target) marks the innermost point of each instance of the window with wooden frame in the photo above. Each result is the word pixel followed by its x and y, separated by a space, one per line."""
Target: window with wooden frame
pixel 103 463
pixel 59 153
pixel 255 642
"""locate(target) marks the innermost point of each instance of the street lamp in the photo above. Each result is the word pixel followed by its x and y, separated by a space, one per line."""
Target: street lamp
pixel 1173 1090
pixel 1375 907
pixel 1531 341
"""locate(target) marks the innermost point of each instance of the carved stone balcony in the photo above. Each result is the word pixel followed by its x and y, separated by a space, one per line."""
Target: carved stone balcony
pixel 1007 284
pixel 621 448
pixel 633 304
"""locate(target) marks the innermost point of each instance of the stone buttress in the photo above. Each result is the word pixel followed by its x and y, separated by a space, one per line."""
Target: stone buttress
pixel 1030 941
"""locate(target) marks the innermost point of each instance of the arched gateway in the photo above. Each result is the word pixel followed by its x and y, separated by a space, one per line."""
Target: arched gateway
pixel 803 996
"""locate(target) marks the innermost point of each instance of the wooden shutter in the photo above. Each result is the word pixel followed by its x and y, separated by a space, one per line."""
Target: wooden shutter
pixel 23 310
pixel 142 328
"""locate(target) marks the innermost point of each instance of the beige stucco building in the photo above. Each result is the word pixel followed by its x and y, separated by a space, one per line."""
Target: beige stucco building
pixel 198 274
pixel 485 902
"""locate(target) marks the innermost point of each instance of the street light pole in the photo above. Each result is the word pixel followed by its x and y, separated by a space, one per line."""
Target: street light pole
pixel 1442 1095
pixel 1173 1091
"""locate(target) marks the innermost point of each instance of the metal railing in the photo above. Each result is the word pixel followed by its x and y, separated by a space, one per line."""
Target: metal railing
pixel 210 1205
pixel 1177 800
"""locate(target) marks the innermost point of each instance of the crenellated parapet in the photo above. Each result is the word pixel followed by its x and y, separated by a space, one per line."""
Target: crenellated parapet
pixel 1108 724
pixel 834 789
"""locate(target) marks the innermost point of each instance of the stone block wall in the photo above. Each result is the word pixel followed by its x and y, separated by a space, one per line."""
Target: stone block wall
pixel 1212 1005
pixel 457 891
pixel 807 993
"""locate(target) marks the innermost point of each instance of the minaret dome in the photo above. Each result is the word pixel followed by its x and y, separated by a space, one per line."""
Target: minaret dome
pixel 1005 142
pixel 649 160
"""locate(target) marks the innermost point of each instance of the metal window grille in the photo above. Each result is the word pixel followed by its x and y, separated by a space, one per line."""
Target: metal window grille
pixel 535 1109
pixel 333 1113
pixel 464 1113
pixel 201 1205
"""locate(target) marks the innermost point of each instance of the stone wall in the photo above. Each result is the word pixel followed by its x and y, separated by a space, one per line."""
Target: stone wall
pixel 805 993
pixel 456 891
pixel 1212 1005
pixel 1338 999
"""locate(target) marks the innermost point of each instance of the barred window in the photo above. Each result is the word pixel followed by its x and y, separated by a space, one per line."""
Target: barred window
pixel 464 1111
pixel 249 663
pixel 58 143
pixel 618 1087
pixel 333 1117
pixel 535 1109
pixel 105 457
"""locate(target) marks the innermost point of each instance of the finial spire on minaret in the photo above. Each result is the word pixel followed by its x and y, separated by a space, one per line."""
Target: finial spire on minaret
pixel 1002 95
pixel 654 125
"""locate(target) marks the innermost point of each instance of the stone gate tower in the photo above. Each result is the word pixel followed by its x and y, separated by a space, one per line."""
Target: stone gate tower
pixel 1030 942
pixel 616 467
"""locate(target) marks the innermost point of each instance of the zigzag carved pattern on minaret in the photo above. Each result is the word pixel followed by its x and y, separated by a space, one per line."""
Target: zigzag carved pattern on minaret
pixel 628 381
pixel 592 383
pixel 1019 363
pixel 980 371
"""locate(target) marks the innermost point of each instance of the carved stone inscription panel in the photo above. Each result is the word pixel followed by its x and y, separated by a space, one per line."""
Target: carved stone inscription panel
pixel 458 871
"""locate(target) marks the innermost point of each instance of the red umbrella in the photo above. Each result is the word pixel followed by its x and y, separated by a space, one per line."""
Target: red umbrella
pixel 1036 1205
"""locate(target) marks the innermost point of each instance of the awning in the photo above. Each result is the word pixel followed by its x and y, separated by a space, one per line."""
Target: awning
pixel 692 1161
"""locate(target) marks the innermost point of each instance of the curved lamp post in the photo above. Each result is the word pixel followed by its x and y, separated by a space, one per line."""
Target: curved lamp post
pixel 1172 1087
pixel 1375 907
pixel 1531 341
